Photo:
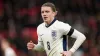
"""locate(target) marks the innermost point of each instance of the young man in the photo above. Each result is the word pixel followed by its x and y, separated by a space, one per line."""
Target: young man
pixel 51 32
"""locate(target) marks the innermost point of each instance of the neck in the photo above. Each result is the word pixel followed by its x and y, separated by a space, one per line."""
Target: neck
pixel 49 22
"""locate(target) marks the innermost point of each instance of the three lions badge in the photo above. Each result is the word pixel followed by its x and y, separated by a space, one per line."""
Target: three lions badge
pixel 54 34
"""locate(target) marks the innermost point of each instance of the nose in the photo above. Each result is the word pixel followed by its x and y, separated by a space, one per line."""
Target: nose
pixel 44 14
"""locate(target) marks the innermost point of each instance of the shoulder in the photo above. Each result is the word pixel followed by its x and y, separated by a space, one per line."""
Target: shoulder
pixel 40 26
pixel 64 28
pixel 62 24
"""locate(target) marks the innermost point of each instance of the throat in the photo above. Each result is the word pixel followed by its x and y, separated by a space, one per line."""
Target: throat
pixel 50 22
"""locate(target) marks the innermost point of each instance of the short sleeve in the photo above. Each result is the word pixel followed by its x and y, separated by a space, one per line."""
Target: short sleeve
pixel 64 28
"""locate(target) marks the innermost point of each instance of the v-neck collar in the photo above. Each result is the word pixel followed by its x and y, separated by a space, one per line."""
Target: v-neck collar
pixel 51 23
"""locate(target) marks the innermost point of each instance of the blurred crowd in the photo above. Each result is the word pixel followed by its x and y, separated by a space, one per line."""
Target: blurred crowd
pixel 19 20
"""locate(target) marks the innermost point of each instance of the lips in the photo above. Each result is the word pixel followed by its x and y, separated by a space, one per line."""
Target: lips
pixel 45 18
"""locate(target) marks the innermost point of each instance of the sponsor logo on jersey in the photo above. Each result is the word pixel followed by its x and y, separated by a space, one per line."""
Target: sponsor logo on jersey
pixel 41 34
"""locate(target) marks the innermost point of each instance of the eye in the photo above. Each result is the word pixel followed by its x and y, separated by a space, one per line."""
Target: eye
pixel 46 11
pixel 42 11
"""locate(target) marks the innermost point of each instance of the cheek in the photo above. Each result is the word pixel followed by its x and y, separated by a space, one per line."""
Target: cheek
pixel 41 15
pixel 51 15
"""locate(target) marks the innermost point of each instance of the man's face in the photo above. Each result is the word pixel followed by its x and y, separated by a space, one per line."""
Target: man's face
pixel 47 14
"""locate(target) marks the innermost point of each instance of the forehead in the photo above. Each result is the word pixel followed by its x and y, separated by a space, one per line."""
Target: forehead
pixel 46 8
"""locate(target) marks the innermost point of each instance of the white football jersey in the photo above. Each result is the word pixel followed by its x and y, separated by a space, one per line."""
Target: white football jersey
pixel 51 37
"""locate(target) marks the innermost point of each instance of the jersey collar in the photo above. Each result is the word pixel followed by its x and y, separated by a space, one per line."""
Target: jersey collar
pixel 51 23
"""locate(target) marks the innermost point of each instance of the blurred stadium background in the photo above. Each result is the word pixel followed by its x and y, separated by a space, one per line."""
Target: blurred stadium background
pixel 20 18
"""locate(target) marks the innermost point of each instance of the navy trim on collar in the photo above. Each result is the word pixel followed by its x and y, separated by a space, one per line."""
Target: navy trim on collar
pixel 51 23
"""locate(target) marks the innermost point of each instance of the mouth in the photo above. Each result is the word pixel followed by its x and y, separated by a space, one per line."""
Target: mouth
pixel 45 18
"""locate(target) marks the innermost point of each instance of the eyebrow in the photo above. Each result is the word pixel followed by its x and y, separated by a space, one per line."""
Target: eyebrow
pixel 45 11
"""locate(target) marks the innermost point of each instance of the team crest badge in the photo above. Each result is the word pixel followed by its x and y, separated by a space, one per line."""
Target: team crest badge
pixel 54 34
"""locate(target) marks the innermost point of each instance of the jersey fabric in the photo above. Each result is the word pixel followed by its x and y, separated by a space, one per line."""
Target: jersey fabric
pixel 50 38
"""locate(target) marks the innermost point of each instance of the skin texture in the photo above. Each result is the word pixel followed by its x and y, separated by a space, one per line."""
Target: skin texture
pixel 47 14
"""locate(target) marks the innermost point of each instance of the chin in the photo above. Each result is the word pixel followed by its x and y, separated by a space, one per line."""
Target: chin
pixel 45 20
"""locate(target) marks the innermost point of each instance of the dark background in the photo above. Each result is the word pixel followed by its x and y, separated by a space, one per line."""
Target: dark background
pixel 19 20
